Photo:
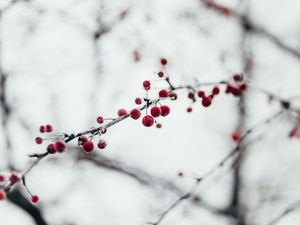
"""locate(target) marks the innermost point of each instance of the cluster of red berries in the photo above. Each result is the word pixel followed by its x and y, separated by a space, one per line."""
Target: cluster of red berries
pixel 58 146
pixel 88 145
pixel 13 179
pixel 238 87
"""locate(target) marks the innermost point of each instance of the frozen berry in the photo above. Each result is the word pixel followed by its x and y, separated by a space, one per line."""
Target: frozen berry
pixel 14 178
pixel 235 136
pixel 189 109
pixel 237 77
pixel 191 95
pixel 160 74
pixel 163 93
pixel 206 101
pixel 148 121
pixel 100 119
pixel 201 94
pixel 101 144
pixel 173 96
pixel 60 146
pixel 38 140
pixel 88 146
pixel 215 90
pixel 138 101
pixel 42 129
pixel 51 149
pixel 122 112
pixel 158 125
pixel 34 198
pixel 165 110
pixel 243 87
pixel 163 61
pixel 48 128
pixel 147 85
pixel 155 111
pixel 135 114
pixel 2 178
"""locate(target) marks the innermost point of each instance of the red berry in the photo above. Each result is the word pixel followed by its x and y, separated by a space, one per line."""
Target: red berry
pixel 14 178
pixel 235 136
pixel 160 74
pixel 122 112
pixel 34 198
pixel 101 144
pixel 243 87
pixel 235 91
pixel 191 95
pixel 237 77
pixel 206 101
pixel 100 119
pixel 148 121
pixel 88 147
pixel 163 93
pixel 38 140
pixel 138 101
pixel 135 114
pixel 48 128
pixel 82 139
pixel 155 111
pixel 189 109
pixel 147 85
pixel 173 96
pixel 163 61
pixel 2 178
pixel 60 146
pixel 51 149
pixel 216 90
pixel 158 125
pixel 201 94
pixel 2 195
pixel 165 110
pixel 42 129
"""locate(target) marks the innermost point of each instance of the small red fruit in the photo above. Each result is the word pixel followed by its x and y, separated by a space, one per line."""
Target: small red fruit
pixel 138 101
pixel 173 96
pixel 163 93
pixel 165 110
pixel 14 178
pixel 34 198
pixel 147 84
pixel 42 129
pixel 135 114
pixel 237 77
pixel 243 87
pixel 101 144
pixel 60 146
pixel 191 95
pixel 148 121
pixel 235 136
pixel 201 94
pixel 2 178
pixel 189 109
pixel 216 90
pixel 48 128
pixel 122 112
pixel 38 140
pixel 206 101
pixel 88 147
pixel 155 111
pixel 163 61
pixel 158 125
pixel 160 74
pixel 100 119
pixel 51 149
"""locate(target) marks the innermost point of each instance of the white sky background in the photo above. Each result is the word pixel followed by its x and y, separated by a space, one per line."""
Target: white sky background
pixel 58 75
